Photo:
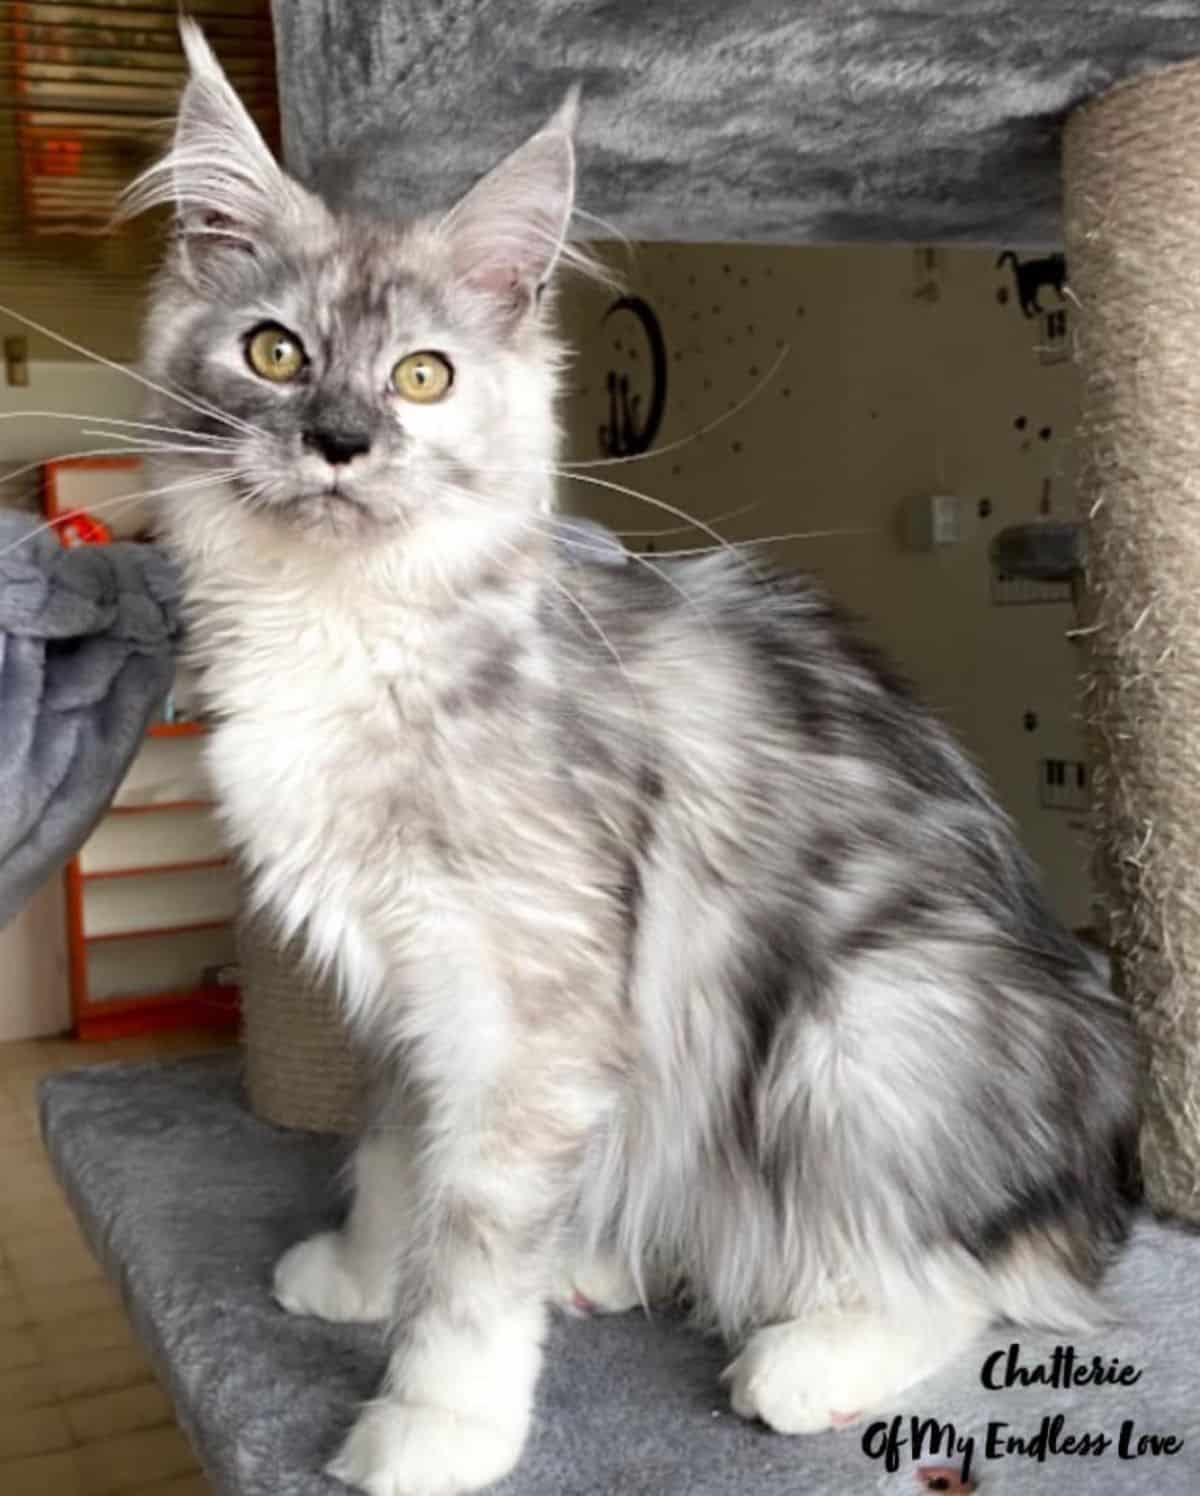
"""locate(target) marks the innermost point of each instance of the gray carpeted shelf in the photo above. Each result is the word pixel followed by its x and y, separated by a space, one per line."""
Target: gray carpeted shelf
pixel 188 1199
pixel 764 121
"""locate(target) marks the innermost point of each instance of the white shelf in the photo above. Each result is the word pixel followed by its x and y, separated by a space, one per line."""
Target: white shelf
pixel 118 906
pixel 156 963
pixel 151 841
pixel 165 770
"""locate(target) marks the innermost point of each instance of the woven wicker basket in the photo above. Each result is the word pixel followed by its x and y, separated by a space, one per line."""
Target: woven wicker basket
pixel 300 1069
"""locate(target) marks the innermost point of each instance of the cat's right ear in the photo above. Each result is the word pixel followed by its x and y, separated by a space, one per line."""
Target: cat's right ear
pixel 506 235
pixel 229 194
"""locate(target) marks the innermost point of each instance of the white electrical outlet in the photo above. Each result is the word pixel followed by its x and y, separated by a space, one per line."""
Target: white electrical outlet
pixel 931 521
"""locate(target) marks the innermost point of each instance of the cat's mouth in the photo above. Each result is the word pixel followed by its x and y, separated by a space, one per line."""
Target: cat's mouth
pixel 329 500
pixel 335 496
pixel 332 493
pixel 328 510
pixel 320 507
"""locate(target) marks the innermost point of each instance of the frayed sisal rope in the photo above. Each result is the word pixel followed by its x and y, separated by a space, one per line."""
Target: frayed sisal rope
pixel 1132 178
pixel 299 1067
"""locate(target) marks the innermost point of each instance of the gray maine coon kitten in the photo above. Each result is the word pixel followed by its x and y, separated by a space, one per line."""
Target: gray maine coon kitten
pixel 691 949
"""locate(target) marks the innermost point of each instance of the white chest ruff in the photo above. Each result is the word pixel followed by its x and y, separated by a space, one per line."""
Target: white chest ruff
pixel 323 771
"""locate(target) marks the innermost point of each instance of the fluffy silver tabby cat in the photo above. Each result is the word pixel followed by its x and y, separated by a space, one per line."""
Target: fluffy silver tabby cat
pixel 692 950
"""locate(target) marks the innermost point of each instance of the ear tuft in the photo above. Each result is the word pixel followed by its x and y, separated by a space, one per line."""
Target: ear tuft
pixel 566 116
pixel 506 235
pixel 225 186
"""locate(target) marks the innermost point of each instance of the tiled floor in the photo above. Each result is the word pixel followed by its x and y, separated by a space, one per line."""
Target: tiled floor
pixel 80 1411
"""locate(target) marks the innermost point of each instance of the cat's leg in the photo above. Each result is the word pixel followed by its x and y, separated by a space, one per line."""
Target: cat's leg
pixel 454 1410
pixel 350 1274
pixel 820 1372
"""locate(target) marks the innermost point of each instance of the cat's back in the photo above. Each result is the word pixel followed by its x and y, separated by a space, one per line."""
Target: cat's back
pixel 729 644
pixel 792 756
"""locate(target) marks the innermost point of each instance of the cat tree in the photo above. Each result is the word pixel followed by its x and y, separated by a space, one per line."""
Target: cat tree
pixel 1132 172
pixel 836 120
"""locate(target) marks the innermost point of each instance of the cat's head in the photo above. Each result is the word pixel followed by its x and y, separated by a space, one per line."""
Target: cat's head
pixel 355 379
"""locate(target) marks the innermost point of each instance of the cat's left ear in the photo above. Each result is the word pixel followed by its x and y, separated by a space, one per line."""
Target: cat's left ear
pixel 506 235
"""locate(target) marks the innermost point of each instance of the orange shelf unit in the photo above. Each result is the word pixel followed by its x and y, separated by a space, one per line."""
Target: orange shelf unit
pixel 152 805
pixel 175 729
pixel 173 1005
pixel 148 919
pixel 199 865
pixel 58 477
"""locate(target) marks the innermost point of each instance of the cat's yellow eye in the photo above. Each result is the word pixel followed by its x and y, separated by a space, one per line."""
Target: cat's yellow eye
pixel 274 353
pixel 423 377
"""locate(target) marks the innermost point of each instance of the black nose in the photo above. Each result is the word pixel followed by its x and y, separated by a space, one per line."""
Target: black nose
pixel 338 446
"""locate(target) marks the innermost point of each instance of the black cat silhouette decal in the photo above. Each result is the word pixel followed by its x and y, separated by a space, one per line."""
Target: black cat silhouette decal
pixel 628 432
pixel 1031 275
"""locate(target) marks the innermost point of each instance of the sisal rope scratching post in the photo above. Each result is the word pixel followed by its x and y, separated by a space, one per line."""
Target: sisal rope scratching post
pixel 1132 168
pixel 299 1068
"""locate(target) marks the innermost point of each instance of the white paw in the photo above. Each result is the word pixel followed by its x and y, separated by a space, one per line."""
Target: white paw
pixel 396 1449
pixel 602 1285
pixel 807 1375
pixel 314 1278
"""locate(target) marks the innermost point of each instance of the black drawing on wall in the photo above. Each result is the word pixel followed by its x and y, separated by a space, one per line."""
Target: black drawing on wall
pixel 1055 324
pixel 630 429
pixel 1030 276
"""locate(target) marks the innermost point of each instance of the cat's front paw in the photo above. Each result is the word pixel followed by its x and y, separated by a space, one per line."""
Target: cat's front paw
pixel 798 1379
pixel 600 1285
pixel 806 1375
pixel 314 1277
pixel 396 1449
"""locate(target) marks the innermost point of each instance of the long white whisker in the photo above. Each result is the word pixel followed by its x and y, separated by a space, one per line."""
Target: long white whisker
pixel 214 410
pixel 39 462
pixel 614 232
pixel 700 431
pixel 120 500
pixel 71 415
pixel 663 577
pixel 707 550
pixel 135 444
pixel 179 434
pixel 600 634
pixel 256 491
pixel 716 519
pixel 646 498
pixel 530 522
pixel 48 332
pixel 557 471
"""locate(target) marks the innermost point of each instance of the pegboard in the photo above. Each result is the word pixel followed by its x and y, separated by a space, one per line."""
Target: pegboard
pixel 897 372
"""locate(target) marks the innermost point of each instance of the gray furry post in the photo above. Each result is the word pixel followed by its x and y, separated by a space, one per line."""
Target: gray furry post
pixel 694 956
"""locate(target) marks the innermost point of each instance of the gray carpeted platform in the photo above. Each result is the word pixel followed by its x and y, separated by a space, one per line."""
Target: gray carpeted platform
pixel 770 121
pixel 188 1200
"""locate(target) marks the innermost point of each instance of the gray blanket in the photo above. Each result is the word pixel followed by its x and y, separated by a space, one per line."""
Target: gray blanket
pixel 87 644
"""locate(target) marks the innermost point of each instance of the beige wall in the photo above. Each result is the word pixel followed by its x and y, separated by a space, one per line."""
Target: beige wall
pixel 75 389
pixel 90 290
pixel 904 375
